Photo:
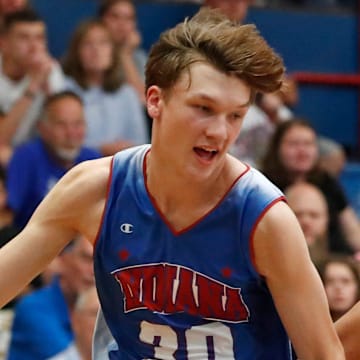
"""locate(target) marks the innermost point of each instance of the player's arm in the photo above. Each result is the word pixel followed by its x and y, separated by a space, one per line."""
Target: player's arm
pixel 74 205
pixel 282 257
pixel 348 329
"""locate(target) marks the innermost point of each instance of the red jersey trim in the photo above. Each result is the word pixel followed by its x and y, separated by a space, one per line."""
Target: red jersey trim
pixel 251 245
pixel 163 217
pixel 108 186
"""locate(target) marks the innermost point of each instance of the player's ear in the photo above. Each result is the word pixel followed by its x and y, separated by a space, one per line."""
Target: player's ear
pixel 154 101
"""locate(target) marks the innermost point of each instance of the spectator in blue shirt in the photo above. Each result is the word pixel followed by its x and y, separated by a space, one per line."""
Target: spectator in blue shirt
pixel 37 165
pixel 83 320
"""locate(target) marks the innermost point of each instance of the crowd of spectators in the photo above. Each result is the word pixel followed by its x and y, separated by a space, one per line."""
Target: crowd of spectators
pixel 56 113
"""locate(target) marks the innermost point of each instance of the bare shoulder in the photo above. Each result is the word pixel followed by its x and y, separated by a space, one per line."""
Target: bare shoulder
pixel 87 176
pixel 278 222
pixel 235 166
pixel 78 199
pixel 276 214
pixel 278 239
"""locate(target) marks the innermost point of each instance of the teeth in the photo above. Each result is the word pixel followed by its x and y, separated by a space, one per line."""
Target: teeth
pixel 208 149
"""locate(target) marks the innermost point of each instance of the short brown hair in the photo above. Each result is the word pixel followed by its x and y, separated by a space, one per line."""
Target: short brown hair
pixel 26 15
pixel 211 37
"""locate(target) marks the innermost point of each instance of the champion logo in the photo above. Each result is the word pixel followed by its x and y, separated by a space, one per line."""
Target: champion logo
pixel 126 228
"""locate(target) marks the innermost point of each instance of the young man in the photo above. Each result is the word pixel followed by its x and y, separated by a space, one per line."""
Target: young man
pixel 196 255
pixel 27 74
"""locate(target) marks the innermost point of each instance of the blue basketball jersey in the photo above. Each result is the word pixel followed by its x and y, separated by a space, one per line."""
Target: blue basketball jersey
pixel 192 294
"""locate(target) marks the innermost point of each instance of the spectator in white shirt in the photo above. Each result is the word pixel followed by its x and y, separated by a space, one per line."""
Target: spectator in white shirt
pixel 27 74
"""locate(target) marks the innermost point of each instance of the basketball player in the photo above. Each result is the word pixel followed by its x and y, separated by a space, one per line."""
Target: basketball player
pixel 196 255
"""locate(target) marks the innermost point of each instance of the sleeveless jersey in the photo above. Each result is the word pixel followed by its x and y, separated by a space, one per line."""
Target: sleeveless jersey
pixel 192 294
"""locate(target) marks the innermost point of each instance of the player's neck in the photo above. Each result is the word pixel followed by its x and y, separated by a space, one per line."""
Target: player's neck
pixel 174 185
pixel 183 200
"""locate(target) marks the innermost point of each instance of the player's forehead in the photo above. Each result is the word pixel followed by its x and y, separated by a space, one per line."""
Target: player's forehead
pixel 203 80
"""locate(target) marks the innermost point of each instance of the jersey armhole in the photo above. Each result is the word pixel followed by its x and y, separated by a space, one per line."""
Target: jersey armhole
pixel 108 187
pixel 251 244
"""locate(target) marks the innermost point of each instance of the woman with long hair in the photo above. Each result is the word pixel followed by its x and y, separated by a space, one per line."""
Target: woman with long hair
pixel 113 111
pixel 293 156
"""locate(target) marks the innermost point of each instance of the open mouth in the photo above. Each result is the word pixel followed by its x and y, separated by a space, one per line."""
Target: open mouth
pixel 205 154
